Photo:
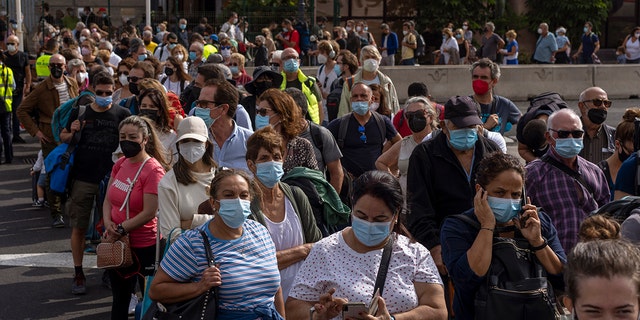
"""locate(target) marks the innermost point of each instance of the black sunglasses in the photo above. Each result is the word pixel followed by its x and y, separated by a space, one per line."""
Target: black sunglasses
pixel 205 103
pixel 562 134
pixel 103 93
pixel 263 111
pixel 599 102
pixel 363 136
pixel 133 79
pixel 126 73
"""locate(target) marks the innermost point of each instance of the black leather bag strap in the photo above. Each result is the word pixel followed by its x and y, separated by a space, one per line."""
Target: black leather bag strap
pixel 384 266
pixel 576 176
pixel 210 261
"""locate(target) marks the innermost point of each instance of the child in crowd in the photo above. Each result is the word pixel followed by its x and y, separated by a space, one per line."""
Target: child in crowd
pixel 620 55
pixel 39 175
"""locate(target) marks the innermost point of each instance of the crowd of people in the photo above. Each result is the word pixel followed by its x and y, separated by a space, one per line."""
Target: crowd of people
pixel 175 141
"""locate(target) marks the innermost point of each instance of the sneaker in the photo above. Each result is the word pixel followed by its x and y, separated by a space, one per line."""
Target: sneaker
pixel 46 204
pixel 132 304
pixel 38 203
pixel 78 286
pixel 58 222
pixel 17 139
pixel 90 249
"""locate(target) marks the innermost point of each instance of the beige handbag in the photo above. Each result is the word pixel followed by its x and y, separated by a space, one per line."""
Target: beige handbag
pixel 117 254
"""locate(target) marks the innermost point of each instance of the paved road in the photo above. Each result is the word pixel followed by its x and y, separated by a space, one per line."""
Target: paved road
pixel 35 260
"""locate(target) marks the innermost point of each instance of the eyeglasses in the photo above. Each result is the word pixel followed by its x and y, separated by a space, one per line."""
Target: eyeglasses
pixel 11 44
pixel 363 136
pixel 562 134
pixel 205 104
pixel 599 102
pixel 263 111
pixel 133 79
pixel 51 65
pixel 103 93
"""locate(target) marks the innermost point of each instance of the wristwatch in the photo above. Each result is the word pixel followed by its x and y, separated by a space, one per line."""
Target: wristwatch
pixel 121 229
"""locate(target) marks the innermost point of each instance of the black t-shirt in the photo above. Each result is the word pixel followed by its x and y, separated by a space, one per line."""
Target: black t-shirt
pixel 17 63
pixel 359 157
pixel 100 137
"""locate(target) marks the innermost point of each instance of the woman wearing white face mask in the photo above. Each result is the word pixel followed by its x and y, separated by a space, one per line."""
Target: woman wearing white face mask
pixel 245 271
pixel 412 289
pixel 328 71
pixel 122 83
pixel 631 45
pixel 78 71
pixel 283 209
pixel 182 189
pixel 498 213
pixel 369 74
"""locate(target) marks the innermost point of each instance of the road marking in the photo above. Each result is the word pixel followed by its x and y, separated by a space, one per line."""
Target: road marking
pixel 46 260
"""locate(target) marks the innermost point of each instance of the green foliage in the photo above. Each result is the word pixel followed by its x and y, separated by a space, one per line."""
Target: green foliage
pixel 570 14
pixel 436 14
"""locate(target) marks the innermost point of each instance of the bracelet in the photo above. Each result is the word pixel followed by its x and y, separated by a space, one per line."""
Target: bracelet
pixel 542 246
pixel 392 317
pixel 485 228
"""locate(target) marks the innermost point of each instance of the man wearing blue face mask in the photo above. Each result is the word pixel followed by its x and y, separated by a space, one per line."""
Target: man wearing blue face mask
pixel 294 77
pixel 362 135
pixel 589 47
pixel 99 138
pixel 217 105
pixel 169 42
pixel 441 174
pixel 568 186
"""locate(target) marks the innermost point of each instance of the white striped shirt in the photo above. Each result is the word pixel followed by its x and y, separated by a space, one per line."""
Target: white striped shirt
pixel 248 265
pixel 63 91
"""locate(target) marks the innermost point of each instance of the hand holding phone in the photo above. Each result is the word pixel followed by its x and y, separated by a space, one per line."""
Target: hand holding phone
pixel 352 310
pixel 523 202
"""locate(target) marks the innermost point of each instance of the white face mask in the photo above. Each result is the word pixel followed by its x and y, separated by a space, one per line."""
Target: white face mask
pixel 123 80
pixel 180 57
pixel 322 59
pixel 358 28
pixel 82 39
pixel 192 151
pixel 370 65
pixel 374 106
pixel 405 32
pixel 82 76
pixel 11 48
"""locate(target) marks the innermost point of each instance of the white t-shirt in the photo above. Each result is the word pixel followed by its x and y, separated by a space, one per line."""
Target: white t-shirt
pixel 287 234
pixel 333 264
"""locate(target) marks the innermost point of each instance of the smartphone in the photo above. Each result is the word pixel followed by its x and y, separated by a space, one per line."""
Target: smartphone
pixel 353 309
pixel 523 202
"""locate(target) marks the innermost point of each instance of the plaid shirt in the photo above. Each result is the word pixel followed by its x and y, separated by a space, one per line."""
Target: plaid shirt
pixel 564 199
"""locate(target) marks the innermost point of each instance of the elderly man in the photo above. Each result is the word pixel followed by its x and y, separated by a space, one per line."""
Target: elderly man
pixel 294 77
pixel 147 38
pixel 566 185
pixel 18 62
pixel 599 140
pixel 388 46
pixel 491 42
pixel 498 113
pixel 366 134
pixel 182 33
pixel 114 59
pixel 196 58
pixel 546 45
pixel 441 176
pixel 45 98
pixel 220 99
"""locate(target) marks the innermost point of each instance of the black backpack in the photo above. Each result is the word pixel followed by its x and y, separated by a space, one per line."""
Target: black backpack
pixel 547 102
pixel 516 284
pixel 333 99
pixel 619 210
pixel 420 45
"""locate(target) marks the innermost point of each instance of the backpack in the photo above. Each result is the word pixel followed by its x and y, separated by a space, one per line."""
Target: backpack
pixel 421 45
pixel 61 114
pixel 364 41
pixel 344 123
pixel 619 210
pixel 516 285
pixel 547 102
pixel 334 97
pixel 305 38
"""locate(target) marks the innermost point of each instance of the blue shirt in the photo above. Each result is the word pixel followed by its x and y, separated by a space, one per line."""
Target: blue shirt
pixel 248 265
pixel 545 47
pixel 392 42
pixel 457 237
pixel 589 44
pixel 233 152
pixel 626 178
pixel 561 41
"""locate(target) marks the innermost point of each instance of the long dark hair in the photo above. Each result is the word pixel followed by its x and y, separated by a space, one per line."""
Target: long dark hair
pixel 153 147
pixel 182 168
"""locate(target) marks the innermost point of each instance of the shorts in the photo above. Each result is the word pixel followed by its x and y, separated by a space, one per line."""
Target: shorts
pixel 80 203
pixel 42 180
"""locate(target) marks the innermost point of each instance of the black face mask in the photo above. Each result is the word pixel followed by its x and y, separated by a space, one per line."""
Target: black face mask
pixel 417 123
pixel 168 72
pixel 56 72
pixel 130 149
pixel 149 113
pixel 133 87
pixel 597 116
pixel 623 155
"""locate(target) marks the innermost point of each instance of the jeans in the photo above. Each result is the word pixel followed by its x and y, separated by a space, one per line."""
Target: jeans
pixel 5 136
pixel 408 62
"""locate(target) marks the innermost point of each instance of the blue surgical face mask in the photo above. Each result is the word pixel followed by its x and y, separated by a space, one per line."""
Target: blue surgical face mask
pixel 234 69
pixel 204 114
pixel 104 102
pixel 370 233
pixel 585 29
pixel 291 65
pixel 261 121
pixel 269 173
pixel 568 147
pixel 234 212
pixel 192 56
pixel 463 139
pixel 360 107
pixel 172 45
pixel 183 26
pixel 336 69
pixel 504 209
pixel 142 57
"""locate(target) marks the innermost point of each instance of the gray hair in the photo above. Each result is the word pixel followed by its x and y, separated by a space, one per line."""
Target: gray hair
pixel 370 50
pixel 486 63
pixel 74 63
pixel 566 111
pixel 225 70
pixel 106 44
pixel 428 106
pixel 260 38
pixel 490 25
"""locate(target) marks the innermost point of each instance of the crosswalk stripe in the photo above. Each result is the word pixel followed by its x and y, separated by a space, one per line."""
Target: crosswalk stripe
pixel 45 260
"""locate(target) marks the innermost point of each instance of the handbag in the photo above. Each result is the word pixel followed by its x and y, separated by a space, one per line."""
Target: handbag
pixel 201 307
pixel 117 253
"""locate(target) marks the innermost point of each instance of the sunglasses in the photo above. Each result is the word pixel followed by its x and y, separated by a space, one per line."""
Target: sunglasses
pixel 103 93
pixel 563 134
pixel 363 136
pixel 205 103
pixel 126 73
pixel 599 102
pixel 133 79
pixel 11 44
pixel 225 47
pixel 263 111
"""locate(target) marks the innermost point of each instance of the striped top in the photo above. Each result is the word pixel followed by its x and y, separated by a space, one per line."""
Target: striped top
pixel 248 265
pixel 63 91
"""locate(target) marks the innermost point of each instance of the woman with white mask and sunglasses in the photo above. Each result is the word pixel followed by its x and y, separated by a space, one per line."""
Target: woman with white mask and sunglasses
pixel 344 266
pixel 183 188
